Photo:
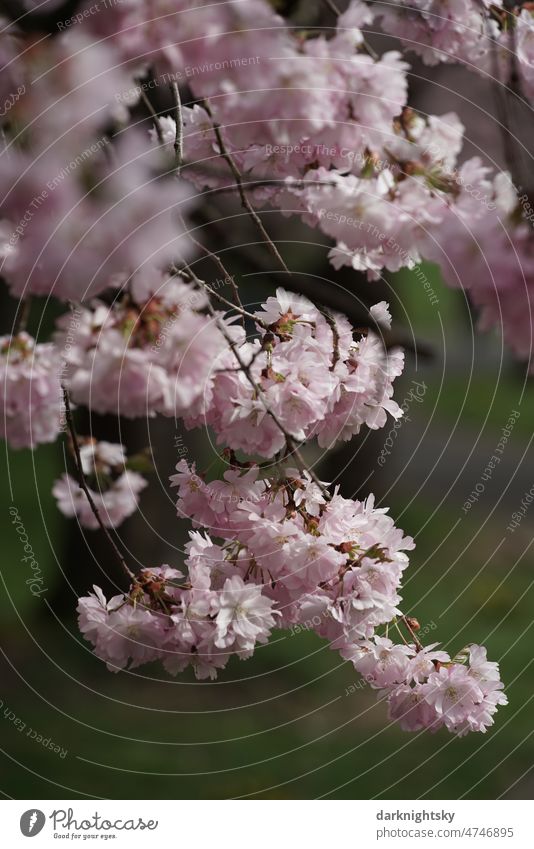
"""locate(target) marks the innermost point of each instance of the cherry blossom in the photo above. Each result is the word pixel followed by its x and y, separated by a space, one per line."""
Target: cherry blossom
pixel 309 123
pixel 317 382
pixel 244 615
pixel 145 355
pixel 30 391
pixel 115 501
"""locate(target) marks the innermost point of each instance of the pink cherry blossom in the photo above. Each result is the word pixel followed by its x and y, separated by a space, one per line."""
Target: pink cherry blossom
pixel 115 502
pixel 244 615
pixel 31 399
pixel 454 694
pixel 316 125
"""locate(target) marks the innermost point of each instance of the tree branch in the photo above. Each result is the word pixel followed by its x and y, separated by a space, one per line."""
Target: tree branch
pixel 218 262
pixel 179 139
pixel 245 368
pixel 154 114
pixel 227 156
pixel 83 486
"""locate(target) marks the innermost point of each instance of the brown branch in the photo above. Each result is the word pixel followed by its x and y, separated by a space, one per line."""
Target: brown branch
pixel 332 6
pixel 222 190
pixel 187 272
pixel 227 156
pixel 330 320
pixel 154 114
pixel 230 277
pixel 22 316
pixel 418 644
pixel 243 312
pixel 245 368
pixel 83 486
pixel 178 141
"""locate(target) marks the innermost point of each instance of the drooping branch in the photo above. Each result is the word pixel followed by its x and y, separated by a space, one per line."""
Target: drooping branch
pixel 22 316
pixel 154 114
pixel 291 441
pixel 227 156
pixel 84 487
pixel 220 265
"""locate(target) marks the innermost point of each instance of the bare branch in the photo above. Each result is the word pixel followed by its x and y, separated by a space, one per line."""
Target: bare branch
pixel 179 139
pixel 22 316
pixel 153 113
pixel 227 156
pixel 218 262
pixel 330 320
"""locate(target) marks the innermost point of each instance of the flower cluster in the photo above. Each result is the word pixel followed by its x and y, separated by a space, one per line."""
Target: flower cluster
pixel 444 30
pixel 82 198
pixel 485 245
pixel 426 690
pixel 30 391
pixel 316 126
pixel 163 354
pixel 199 624
pixel 62 232
pixel 289 553
pixel 307 113
pixel 113 487
pixel 482 35
pixel 341 557
pixel 151 351
pixel 309 370
pixel 371 174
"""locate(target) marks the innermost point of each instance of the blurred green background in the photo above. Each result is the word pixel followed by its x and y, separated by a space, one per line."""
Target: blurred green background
pixel 288 723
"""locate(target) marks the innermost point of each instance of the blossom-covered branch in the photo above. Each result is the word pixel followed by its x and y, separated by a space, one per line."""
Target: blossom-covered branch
pixel 96 214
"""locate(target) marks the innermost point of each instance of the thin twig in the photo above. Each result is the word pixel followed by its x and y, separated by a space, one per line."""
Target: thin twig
pixel 245 368
pixel 230 277
pixel 403 638
pixel 241 310
pixel 330 320
pixel 418 644
pixel 179 138
pixel 332 6
pixel 257 353
pixel 336 11
pixel 23 315
pixel 258 184
pixel 187 272
pixel 227 156
pixel 153 113
pixel 83 485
